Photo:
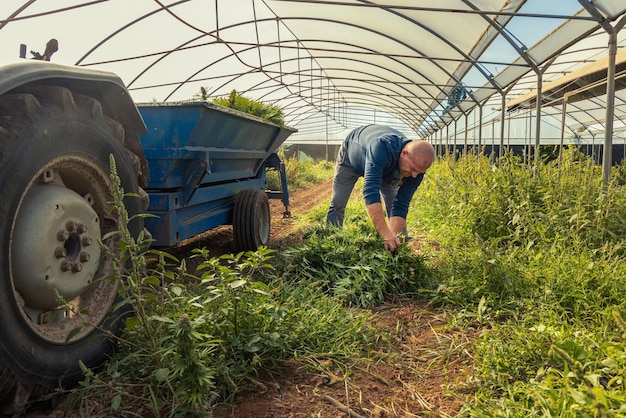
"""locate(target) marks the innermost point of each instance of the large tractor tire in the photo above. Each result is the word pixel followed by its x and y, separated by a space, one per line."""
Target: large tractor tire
pixel 251 220
pixel 57 288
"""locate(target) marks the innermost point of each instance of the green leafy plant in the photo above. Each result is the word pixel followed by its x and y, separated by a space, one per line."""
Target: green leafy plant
pixel 535 256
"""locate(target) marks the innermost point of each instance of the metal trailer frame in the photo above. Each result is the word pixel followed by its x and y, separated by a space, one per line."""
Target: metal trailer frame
pixel 200 156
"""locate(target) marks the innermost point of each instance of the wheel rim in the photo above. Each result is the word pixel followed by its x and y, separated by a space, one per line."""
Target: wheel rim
pixel 60 278
pixel 264 223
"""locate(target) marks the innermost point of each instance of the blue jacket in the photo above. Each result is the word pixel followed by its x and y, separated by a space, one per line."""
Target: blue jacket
pixel 373 151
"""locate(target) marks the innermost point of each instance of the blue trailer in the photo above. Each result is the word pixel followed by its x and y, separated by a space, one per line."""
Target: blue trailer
pixel 194 166
pixel 208 168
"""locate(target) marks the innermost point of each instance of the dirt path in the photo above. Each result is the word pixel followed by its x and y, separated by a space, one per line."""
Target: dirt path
pixel 429 358
pixel 300 202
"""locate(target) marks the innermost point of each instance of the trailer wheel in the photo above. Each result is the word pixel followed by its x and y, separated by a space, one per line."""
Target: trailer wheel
pixel 251 220
pixel 57 288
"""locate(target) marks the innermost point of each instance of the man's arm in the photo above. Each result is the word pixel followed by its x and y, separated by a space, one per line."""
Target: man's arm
pixel 396 224
pixel 376 214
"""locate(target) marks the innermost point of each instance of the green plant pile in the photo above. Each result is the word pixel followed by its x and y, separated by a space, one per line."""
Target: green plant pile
pixel 257 108
pixel 534 257
pixel 349 265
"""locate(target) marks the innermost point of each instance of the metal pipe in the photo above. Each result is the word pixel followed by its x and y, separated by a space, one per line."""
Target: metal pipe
pixel 610 102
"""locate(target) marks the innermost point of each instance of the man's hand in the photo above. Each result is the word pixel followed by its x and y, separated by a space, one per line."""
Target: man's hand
pixel 376 214
pixel 391 243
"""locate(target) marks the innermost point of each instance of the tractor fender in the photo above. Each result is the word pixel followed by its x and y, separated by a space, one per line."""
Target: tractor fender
pixel 104 86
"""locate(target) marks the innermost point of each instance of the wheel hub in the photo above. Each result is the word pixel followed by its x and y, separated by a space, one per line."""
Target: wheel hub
pixel 55 246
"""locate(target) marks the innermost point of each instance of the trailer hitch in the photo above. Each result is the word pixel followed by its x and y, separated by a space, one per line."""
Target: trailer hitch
pixel 274 162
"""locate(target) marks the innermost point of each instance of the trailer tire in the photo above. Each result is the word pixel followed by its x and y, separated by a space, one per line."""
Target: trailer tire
pixel 55 194
pixel 251 220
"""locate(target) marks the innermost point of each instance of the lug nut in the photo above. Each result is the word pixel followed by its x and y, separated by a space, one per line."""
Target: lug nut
pixel 86 241
pixel 84 256
pixel 76 267
pixel 70 225
pixel 81 228
pixel 60 252
pixel 65 265
pixel 63 235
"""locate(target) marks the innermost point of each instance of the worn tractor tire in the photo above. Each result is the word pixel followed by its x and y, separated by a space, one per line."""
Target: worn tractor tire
pixel 55 194
pixel 251 220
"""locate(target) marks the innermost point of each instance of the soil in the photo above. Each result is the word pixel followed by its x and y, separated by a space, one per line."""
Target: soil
pixel 431 359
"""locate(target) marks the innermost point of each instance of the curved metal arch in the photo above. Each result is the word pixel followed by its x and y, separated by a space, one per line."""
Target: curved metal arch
pixel 586 112
pixel 169 52
pixel 359 46
pixel 336 89
pixel 468 58
pixel 622 101
pixel 13 17
pixel 303 116
pixel 123 28
pixel 162 57
pixel 390 102
pixel 434 62
pixel 400 75
pixel 505 35
pixel 307 103
pixel 334 85
pixel 165 54
pixel 381 80
pixel 555 116
pixel 339 91
pixel 368 104
pixel 398 41
pixel 232 78
pixel 270 78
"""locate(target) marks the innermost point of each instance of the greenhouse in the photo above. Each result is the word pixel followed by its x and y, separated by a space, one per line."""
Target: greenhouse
pixel 169 254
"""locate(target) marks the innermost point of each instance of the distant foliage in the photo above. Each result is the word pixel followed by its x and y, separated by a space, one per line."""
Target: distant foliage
pixel 301 174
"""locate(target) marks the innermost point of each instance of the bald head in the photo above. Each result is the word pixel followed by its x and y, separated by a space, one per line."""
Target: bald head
pixel 416 157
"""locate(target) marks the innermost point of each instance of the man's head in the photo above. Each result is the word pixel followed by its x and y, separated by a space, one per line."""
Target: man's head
pixel 415 158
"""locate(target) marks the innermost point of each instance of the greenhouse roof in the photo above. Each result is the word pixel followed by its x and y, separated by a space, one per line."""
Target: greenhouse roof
pixel 425 63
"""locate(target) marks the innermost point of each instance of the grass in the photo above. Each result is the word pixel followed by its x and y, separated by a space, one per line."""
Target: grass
pixel 530 259
pixel 537 257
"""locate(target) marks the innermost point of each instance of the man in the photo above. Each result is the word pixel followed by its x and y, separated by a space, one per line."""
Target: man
pixel 391 165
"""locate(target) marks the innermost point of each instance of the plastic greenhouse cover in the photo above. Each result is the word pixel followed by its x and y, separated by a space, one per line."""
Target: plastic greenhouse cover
pixel 330 65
